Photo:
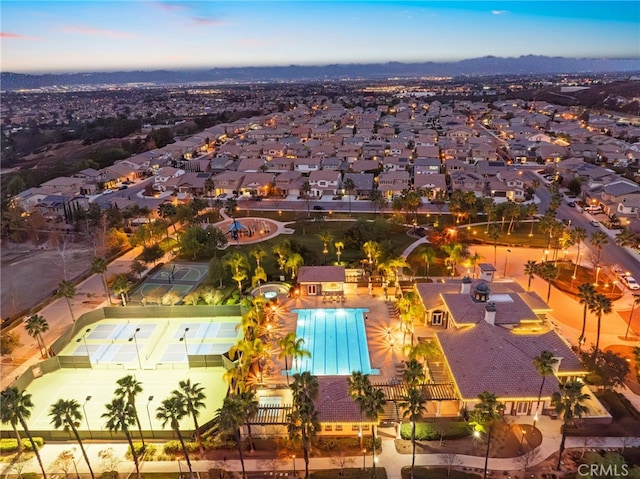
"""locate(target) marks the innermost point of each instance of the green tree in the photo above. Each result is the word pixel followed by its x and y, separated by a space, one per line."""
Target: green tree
pixel 568 402
pixel 65 414
pixel 249 403
pixel 230 418
pixel 172 410
pixel 544 364
pixel 119 417
pixel 494 234
pixel 586 293
pixel 128 388
pixel 303 420
pixel 68 290
pixel 194 396
pixel 598 239
pixel 530 269
pixel 15 407
pixel 35 326
pixel 99 266
pixel 120 287
pixel 485 413
pixel 428 255
pixel 549 272
pixel 414 408
pixel 168 211
pixel 349 186
pixel 600 305
pixel 291 346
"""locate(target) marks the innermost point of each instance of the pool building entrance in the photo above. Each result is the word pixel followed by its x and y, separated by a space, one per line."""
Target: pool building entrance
pixel 336 339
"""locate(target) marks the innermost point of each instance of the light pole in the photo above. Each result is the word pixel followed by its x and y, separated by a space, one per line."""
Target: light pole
pixel 149 416
pixel 636 300
pixel 504 275
pixel 83 338
pixel 84 410
pixel 597 276
pixel 135 341
pixel 183 338
pixel 364 459
pixel 293 460
pixel 575 269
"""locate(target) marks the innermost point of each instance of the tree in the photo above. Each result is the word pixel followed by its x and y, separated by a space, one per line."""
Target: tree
pixel 372 405
pixel 197 242
pixel 598 239
pixel 9 341
pixel 428 255
pixel 548 271
pixel 530 269
pixel 544 364
pixel 579 235
pixel 303 420
pixel 65 414
pixel 120 287
pixel 194 396
pixel 151 254
pixel 414 408
pixel 35 326
pixel 120 416
pixel 99 266
pixel 413 373
pixel 68 290
pixel 128 388
pixel 172 410
pixel 339 245
pixel 326 237
pixel 238 263
pixel 294 261
pixel 600 305
pixel 168 211
pixel 609 369
pixel 291 346
pixel 586 293
pixel 230 418
pixel 249 403
pixel 258 253
pixel 306 194
pixel 485 413
pixel 568 402
pixel 373 251
pixel 15 407
pixel 494 234
pixel 349 186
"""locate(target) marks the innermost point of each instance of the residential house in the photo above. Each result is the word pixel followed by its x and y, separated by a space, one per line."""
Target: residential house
pixel 257 184
pixel 426 166
pixel 227 182
pixel 364 184
pixel 289 183
pixel 164 176
pixel 308 165
pixel 324 182
pixel 392 183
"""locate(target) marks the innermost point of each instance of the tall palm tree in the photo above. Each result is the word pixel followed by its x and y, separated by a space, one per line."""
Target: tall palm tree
pixel 579 235
pixel 494 234
pixel 120 416
pixel 598 239
pixel 473 259
pixel 194 397
pixel 99 266
pixel 569 402
pixel 65 414
pixel 548 271
pixel 128 388
pixel 339 245
pixel 294 261
pixel 357 386
pixel 35 326
pixel 372 405
pixel 15 407
pixel 250 405
pixel 373 251
pixel 258 253
pixel 230 418
pixel 601 305
pixel 413 373
pixel 303 420
pixel 414 408
pixel 544 365
pixel 292 346
pixel 586 292
pixel 485 413
pixel 172 410
pixel 349 186
pixel 326 237
pixel 530 269
pixel 428 255
pixel 68 290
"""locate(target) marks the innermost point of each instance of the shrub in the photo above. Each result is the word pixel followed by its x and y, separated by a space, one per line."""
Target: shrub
pixel 428 431
pixel 330 444
pixel 11 444
pixel 137 445
pixel 174 447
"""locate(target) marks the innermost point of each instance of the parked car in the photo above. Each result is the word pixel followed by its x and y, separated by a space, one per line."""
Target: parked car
pixel 318 208
pixel 256 198
pixel 594 223
pixel 571 204
pixel 222 196
pixel 106 192
pixel 123 187
pixel 630 283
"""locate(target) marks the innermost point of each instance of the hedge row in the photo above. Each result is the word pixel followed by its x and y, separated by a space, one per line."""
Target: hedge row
pixel 174 447
pixel 11 444
pixel 428 431
pixel 329 444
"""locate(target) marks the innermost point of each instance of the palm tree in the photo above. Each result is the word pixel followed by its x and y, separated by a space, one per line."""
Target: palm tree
pixel 455 252
pixel 258 254
pixel 414 408
pixel 230 418
pixel 128 388
pixel 372 405
pixel 120 287
pixel 349 186
pixel 15 407
pixel 339 245
pixel 294 261
pixel 35 326
pixel 303 420
pixel 413 373
pixel 239 265
pixel 68 290
pixel 598 239
pixel 530 269
pixel 282 250
pixel 171 411
pixel 586 292
pixel 428 255
pixel 600 305
pixel 544 364
pixel 120 416
pixel 494 234
pixel 194 397
pixel 65 414
pixel 373 251
pixel 250 405
pixel 326 237
pixel 292 346
pixel 548 271
pixel 485 413
pixel 579 235
pixel 568 402
pixel 99 266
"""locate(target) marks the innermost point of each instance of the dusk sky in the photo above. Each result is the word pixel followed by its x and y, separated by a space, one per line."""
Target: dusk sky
pixel 75 36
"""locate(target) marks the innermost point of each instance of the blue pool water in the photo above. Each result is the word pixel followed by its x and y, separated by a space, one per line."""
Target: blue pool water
pixel 336 339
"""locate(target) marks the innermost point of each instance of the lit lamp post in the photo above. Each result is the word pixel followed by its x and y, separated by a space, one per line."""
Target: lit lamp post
pixel 183 339
pixel 293 460
pixel 84 410
pixel 505 263
pixel 135 341
pixel 83 338
pixel 636 300
pixel 575 269
pixel 597 276
pixel 149 416
pixel 522 438
pixel 364 459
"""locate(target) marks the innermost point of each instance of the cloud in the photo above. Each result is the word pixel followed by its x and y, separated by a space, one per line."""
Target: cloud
pixel 499 12
pixel 207 21
pixel 98 32
pixel 16 36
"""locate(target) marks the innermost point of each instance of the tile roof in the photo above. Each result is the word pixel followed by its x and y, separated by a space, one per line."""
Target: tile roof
pixel 321 274
pixel 334 403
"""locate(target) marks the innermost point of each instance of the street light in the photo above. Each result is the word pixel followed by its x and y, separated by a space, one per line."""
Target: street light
pixel 149 416
pixel 293 460
pixel 83 338
pixel 505 263
pixel 364 459
pixel 183 338
pixel 135 341
pixel 636 300
pixel 84 410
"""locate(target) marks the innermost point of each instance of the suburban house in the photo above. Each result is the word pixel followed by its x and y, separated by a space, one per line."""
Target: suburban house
pixel 392 183
pixel 324 182
pixel 259 184
pixel 289 183
pixel 322 280
pixel 227 182
pixel 363 184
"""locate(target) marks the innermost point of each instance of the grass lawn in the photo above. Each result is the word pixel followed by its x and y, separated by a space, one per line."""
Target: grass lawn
pixel 349 473
pixel 518 237
pixel 566 283
pixel 422 472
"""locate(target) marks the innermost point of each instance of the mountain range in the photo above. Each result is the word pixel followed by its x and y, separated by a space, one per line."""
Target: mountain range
pixel 477 67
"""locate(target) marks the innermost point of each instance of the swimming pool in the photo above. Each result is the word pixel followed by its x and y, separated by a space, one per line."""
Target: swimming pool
pixel 336 339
